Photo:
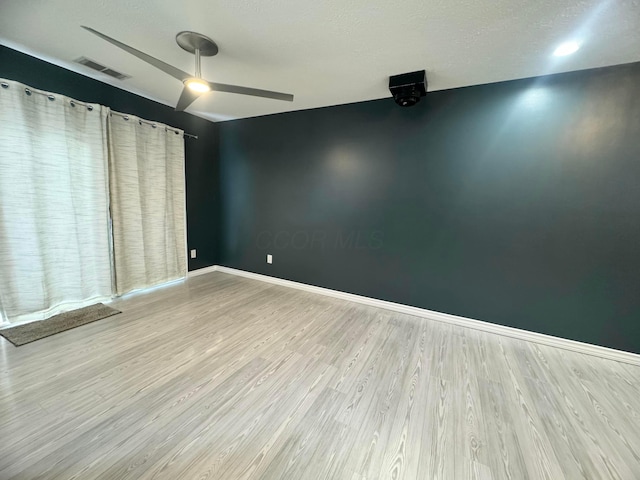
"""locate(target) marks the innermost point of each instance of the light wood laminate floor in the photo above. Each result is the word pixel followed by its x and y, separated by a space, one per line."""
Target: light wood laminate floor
pixel 222 377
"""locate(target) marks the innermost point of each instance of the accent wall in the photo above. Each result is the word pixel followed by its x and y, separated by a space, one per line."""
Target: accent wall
pixel 516 203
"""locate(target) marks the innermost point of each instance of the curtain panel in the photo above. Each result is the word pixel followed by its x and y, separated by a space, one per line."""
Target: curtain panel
pixel 92 203
pixel 146 185
pixel 55 247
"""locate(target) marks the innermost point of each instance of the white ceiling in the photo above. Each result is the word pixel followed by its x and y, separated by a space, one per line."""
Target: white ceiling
pixel 325 52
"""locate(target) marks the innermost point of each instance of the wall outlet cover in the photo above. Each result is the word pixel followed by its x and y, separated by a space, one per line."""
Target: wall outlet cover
pixel 193 253
pixel 269 258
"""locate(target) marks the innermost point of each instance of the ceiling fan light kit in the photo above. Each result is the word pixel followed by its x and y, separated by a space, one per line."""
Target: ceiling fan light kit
pixel 197 85
pixel 194 85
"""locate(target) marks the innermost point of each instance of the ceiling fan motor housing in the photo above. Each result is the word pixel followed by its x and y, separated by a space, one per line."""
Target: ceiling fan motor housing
pixel 408 88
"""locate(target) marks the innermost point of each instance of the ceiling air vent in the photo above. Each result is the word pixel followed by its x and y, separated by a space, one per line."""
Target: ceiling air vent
pixel 87 62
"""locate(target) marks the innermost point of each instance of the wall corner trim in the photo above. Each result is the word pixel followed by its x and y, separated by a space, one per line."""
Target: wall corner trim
pixel 549 340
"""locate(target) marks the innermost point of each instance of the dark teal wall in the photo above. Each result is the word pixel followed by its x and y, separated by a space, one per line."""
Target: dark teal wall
pixel 201 155
pixel 516 203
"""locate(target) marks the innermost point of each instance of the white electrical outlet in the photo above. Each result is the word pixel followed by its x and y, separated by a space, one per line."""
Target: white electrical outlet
pixel 269 258
pixel 193 253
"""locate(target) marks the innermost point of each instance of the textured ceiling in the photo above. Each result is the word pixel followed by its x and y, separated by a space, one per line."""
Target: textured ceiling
pixel 326 52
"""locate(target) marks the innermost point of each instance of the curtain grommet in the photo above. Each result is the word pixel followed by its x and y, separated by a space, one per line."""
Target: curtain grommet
pixel 27 91
pixel 4 85
pixel 51 97
pixel 89 107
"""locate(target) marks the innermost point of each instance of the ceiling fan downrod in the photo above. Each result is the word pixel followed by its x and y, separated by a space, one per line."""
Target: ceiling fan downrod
pixel 198 71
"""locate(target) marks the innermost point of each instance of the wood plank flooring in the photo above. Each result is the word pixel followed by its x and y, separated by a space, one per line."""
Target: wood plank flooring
pixel 222 377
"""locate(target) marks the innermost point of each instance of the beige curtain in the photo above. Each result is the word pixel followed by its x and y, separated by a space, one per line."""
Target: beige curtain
pixel 147 195
pixel 55 243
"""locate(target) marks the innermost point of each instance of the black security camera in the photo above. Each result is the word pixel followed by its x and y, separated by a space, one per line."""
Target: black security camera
pixel 408 88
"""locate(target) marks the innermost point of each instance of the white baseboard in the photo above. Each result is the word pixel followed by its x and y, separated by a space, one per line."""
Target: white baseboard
pixel 572 345
pixel 202 271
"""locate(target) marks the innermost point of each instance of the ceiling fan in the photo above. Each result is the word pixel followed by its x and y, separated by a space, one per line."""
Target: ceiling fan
pixel 194 85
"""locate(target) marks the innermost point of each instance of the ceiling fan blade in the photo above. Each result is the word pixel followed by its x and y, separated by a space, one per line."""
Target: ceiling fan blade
pixel 159 64
pixel 221 87
pixel 187 97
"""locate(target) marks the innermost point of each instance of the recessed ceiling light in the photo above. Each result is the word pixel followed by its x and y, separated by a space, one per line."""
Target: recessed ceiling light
pixel 566 48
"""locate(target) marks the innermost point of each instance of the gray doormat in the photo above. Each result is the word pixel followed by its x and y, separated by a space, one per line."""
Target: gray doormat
pixel 30 332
